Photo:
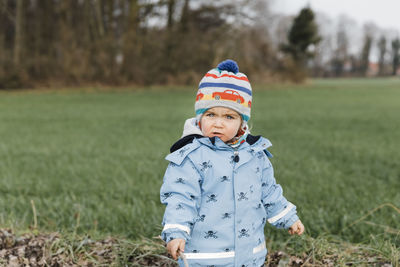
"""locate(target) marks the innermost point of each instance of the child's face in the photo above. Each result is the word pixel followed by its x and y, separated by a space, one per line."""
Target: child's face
pixel 220 122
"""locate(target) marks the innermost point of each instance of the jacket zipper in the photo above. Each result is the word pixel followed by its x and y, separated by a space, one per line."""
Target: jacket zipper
pixel 235 160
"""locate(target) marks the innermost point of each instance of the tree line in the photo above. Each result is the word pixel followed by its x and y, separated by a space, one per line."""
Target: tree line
pixel 119 42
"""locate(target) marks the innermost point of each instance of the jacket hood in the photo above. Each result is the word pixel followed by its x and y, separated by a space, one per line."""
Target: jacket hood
pixel 190 128
pixel 251 140
pixel 188 144
pixel 191 131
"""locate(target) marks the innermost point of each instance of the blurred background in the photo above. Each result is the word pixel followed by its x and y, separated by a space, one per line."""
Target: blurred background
pixel 121 42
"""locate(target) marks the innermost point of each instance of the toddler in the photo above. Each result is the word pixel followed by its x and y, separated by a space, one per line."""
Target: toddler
pixel 219 188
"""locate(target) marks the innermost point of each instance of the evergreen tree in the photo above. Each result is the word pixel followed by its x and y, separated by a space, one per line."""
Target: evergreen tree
pixel 302 35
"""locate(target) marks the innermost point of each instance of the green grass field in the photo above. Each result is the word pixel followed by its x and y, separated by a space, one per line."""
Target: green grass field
pixel 93 161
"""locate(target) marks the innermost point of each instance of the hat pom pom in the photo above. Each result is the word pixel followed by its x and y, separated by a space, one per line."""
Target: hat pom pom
pixel 229 65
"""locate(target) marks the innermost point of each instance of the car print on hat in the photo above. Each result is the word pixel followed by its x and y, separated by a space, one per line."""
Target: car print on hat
pixel 199 96
pixel 228 95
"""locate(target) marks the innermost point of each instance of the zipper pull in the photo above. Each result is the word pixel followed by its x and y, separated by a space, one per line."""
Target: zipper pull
pixel 236 156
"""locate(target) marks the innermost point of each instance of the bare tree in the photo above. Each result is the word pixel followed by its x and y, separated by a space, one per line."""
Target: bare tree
pixel 341 51
pixel 365 53
pixel 99 17
pixel 3 22
pixel 382 54
pixel 395 55
pixel 18 33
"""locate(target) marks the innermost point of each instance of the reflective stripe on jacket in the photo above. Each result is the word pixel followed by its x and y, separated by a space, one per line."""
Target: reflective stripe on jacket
pixel 218 199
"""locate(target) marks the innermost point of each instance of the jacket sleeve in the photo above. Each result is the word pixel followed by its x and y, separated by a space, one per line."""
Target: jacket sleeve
pixel 180 193
pixel 280 212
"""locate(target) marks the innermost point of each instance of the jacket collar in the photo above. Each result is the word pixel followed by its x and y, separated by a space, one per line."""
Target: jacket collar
pixel 215 142
pixel 184 141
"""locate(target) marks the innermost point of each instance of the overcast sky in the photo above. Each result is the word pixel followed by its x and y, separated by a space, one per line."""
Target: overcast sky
pixel 384 13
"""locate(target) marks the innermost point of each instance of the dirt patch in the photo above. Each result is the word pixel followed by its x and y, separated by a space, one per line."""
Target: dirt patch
pixel 56 250
pixel 53 249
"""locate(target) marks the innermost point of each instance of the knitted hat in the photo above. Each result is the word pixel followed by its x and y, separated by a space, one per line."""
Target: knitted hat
pixel 224 86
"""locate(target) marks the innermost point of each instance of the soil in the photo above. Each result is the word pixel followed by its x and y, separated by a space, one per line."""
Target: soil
pixel 48 250
pixel 38 249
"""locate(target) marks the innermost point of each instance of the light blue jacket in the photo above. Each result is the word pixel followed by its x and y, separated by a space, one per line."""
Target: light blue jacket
pixel 218 199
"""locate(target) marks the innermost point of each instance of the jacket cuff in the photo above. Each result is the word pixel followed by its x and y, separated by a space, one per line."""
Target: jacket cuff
pixel 172 234
pixel 291 221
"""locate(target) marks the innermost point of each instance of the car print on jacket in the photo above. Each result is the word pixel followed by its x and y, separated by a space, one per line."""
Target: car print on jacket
pixel 225 205
pixel 228 95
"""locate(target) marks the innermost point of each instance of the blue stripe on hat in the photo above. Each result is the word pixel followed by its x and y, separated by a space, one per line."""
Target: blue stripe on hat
pixel 227 85
pixel 201 111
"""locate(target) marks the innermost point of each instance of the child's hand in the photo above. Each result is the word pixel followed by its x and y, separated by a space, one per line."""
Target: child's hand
pixel 174 246
pixel 296 228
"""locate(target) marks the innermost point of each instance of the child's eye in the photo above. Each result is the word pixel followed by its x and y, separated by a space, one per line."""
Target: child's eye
pixel 210 114
pixel 229 117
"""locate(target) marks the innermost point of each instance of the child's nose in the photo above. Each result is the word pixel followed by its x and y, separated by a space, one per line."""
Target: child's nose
pixel 219 122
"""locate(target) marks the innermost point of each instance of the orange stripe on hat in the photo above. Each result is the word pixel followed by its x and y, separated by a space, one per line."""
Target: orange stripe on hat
pixel 227 75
